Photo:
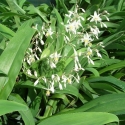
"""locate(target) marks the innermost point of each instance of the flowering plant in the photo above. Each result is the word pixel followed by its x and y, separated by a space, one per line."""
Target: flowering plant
pixel 61 49
pixel 65 60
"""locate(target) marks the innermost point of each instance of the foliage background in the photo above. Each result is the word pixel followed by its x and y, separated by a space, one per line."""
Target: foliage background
pixel 100 97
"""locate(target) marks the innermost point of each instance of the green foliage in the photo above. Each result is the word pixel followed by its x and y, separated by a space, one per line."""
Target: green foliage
pixel 14 52
pixel 80 119
pixel 94 95
pixel 26 114
pixel 107 103
pixel 10 106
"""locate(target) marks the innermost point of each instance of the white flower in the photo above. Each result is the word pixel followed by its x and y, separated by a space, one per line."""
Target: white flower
pixel 82 10
pixel 106 12
pixel 103 24
pixel 66 38
pixel 98 54
pixel 39 49
pixel 42 42
pixel 52 85
pixel 74 15
pixel 49 32
pixel 95 31
pixel 95 18
pixel 69 80
pixel 78 66
pixel 43 28
pixel 36 56
pixel 90 61
pixel 52 89
pixel 77 63
pixel 35 74
pixel 76 54
pixel 48 93
pixel 31 51
pixel 101 44
pixel 64 78
pixel 55 77
pixel 65 85
pixel 106 17
pixel 89 54
pixel 37 42
pixel 36 82
pixel 77 24
pixel 73 26
pixel 70 28
pixel 70 13
pixel 60 86
pixel 29 72
pixel 55 56
pixel 44 79
pixel 78 77
pixel 52 65
pixel 86 39
pixel 30 59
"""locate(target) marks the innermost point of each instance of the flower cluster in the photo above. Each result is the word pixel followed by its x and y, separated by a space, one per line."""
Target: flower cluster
pixel 53 60
pixel 79 33
pixel 57 81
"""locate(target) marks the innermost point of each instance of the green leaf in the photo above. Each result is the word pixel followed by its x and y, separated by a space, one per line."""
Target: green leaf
pixel 12 56
pixel 87 86
pixel 113 38
pixel 96 2
pixel 121 27
pixel 10 106
pixel 70 89
pixel 88 1
pixel 112 67
pixel 104 62
pixel 120 4
pixel 49 110
pixel 21 2
pixel 61 31
pixel 64 6
pixel 112 25
pixel 104 86
pixel 121 13
pixel 45 54
pixel 109 79
pixel 6 32
pixel 80 118
pixel 2 74
pixel 108 103
pixel 11 14
pixel 72 1
pixel 14 6
pixel 26 115
pixel 93 70
pixel 37 11
pixel 29 84
pixel 113 46
pixel 61 96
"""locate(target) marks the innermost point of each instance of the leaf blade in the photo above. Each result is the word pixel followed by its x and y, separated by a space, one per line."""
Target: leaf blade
pixel 80 119
pixel 14 52
pixel 10 106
